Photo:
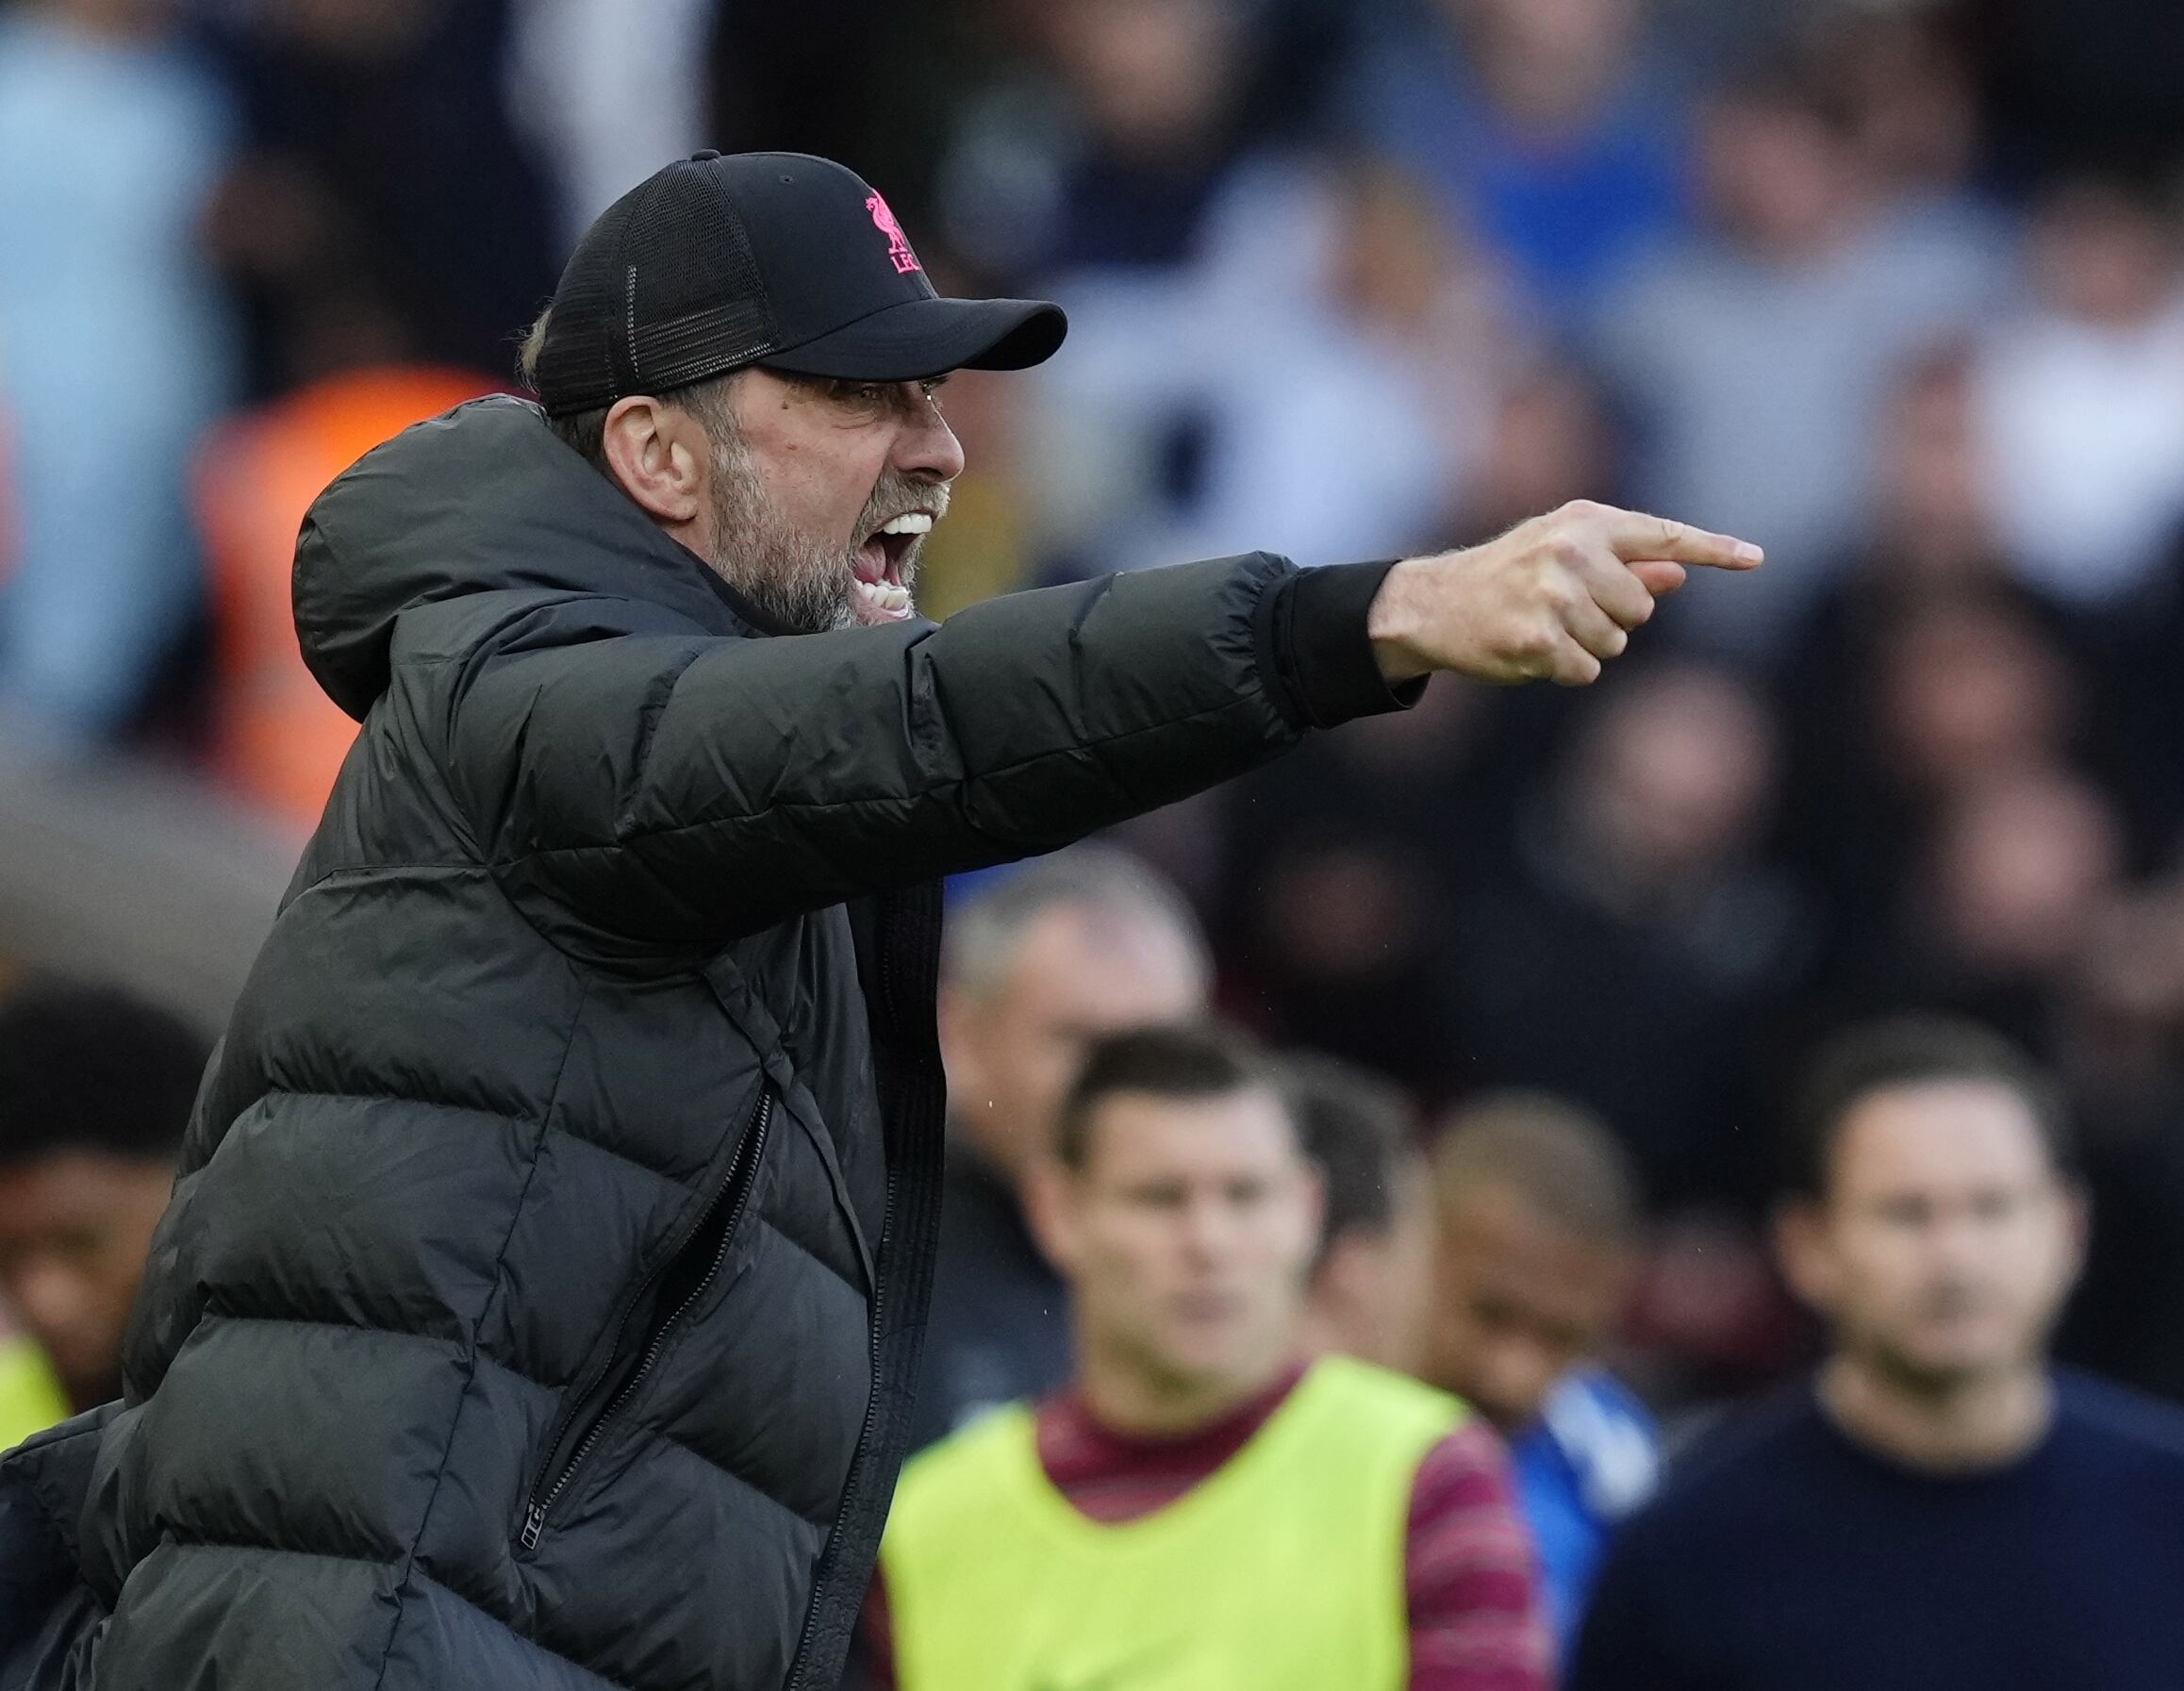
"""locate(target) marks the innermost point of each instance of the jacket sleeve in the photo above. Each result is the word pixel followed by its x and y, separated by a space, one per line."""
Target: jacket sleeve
pixel 673 789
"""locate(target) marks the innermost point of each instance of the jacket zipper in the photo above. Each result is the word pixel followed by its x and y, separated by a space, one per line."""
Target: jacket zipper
pixel 735 1193
pixel 891 990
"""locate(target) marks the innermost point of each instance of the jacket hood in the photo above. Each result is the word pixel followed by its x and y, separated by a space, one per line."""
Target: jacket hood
pixel 482 498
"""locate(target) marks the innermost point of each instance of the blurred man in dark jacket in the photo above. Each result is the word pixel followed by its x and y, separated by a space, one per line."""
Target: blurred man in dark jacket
pixel 543 1286
pixel 1081 944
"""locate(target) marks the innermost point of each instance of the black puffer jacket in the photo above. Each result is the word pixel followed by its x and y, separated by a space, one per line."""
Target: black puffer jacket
pixel 538 1301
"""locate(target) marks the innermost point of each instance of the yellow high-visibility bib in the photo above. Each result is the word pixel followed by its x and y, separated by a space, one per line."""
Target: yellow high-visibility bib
pixel 30 1397
pixel 1281 1572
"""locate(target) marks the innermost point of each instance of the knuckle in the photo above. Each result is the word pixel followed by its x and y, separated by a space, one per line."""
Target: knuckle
pixel 1536 644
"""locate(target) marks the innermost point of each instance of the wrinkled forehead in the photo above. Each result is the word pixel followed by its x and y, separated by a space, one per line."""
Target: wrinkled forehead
pixel 1938 1140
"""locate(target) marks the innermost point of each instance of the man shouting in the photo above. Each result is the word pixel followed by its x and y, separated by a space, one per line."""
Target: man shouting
pixel 541 1291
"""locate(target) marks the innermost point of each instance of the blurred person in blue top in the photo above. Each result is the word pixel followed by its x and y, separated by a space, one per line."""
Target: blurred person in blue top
pixel 1551 127
pixel 1756 356
pixel 114 350
pixel 1938 1508
pixel 1535 1216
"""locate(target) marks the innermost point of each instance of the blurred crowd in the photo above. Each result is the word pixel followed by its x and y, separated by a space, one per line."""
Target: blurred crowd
pixel 1896 289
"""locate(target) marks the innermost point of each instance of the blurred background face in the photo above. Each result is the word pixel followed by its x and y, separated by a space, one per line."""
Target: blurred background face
pixel 73 1233
pixel 1930 480
pixel 1548 60
pixel 1678 778
pixel 1969 694
pixel 2103 255
pixel 1774 176
pixel 1372 1294
pixel 1519 1301
pixel 1154 76
pixel 1947 1243
pixel 1078 972
pixel 2021 868
pixel 1186 1237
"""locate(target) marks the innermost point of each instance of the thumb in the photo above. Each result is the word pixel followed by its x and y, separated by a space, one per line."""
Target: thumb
pixel 1658 577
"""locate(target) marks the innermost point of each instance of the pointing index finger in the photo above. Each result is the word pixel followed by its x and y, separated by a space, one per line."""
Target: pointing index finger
pixel 1637 538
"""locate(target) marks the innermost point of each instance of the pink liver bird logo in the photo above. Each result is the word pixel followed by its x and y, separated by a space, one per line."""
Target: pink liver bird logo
pixel 897 242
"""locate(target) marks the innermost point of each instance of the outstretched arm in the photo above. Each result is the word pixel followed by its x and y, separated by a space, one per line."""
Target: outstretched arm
pixel 676 790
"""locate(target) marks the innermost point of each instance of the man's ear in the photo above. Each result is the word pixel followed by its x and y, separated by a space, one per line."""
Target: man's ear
pixel 956 1015
pixel 2077 1220
pixel 1801 1248
pixel 1050 1210
pixel 658 456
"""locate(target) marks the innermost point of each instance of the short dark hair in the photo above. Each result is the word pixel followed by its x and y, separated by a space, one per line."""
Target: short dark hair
pixel 92 1069
pixel 1182 1060
pixel 1563 1159
pixel 1359 1130
pixel 1912 1051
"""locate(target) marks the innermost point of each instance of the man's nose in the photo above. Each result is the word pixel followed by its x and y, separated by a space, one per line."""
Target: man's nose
pixel 1206 1229
pixel 926 446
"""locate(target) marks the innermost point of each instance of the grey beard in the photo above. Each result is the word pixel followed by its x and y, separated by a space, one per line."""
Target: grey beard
pixel 800 583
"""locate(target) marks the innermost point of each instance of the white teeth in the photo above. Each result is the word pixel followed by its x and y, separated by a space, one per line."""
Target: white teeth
pixel 909 523
pixel 891 597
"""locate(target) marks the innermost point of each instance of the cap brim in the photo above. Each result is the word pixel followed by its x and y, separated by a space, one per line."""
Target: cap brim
pixel 916 338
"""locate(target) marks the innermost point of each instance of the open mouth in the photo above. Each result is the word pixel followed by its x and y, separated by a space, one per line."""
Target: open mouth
pixel 883 565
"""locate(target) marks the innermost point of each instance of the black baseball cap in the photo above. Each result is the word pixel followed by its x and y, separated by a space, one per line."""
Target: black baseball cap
pixel 779 259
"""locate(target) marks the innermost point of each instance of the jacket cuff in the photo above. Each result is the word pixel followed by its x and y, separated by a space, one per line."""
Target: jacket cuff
pixel 1313 645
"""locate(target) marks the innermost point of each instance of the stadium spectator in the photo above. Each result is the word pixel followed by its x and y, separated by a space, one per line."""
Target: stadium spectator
pixel 347 228
pixel 1547 126
pixel 1371 1281
pixel 96 1088
pixel 2120 1027
pixel 1548 437
pixel 2081 395
pixel 1334 872
pixel 1536 1221
pixel 1227 374
pixel 1873 731
pixel 608 91
pixel 2004 902
pixel 1755 358
pixel 1035 967
pixel 278 738
pixel 115 349
pixel 1196 1504
pixel 1938 1508
pixel 1640 877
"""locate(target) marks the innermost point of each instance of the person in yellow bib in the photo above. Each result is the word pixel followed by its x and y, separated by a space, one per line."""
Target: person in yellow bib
pixel 1198 1511
pixel 30 1397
